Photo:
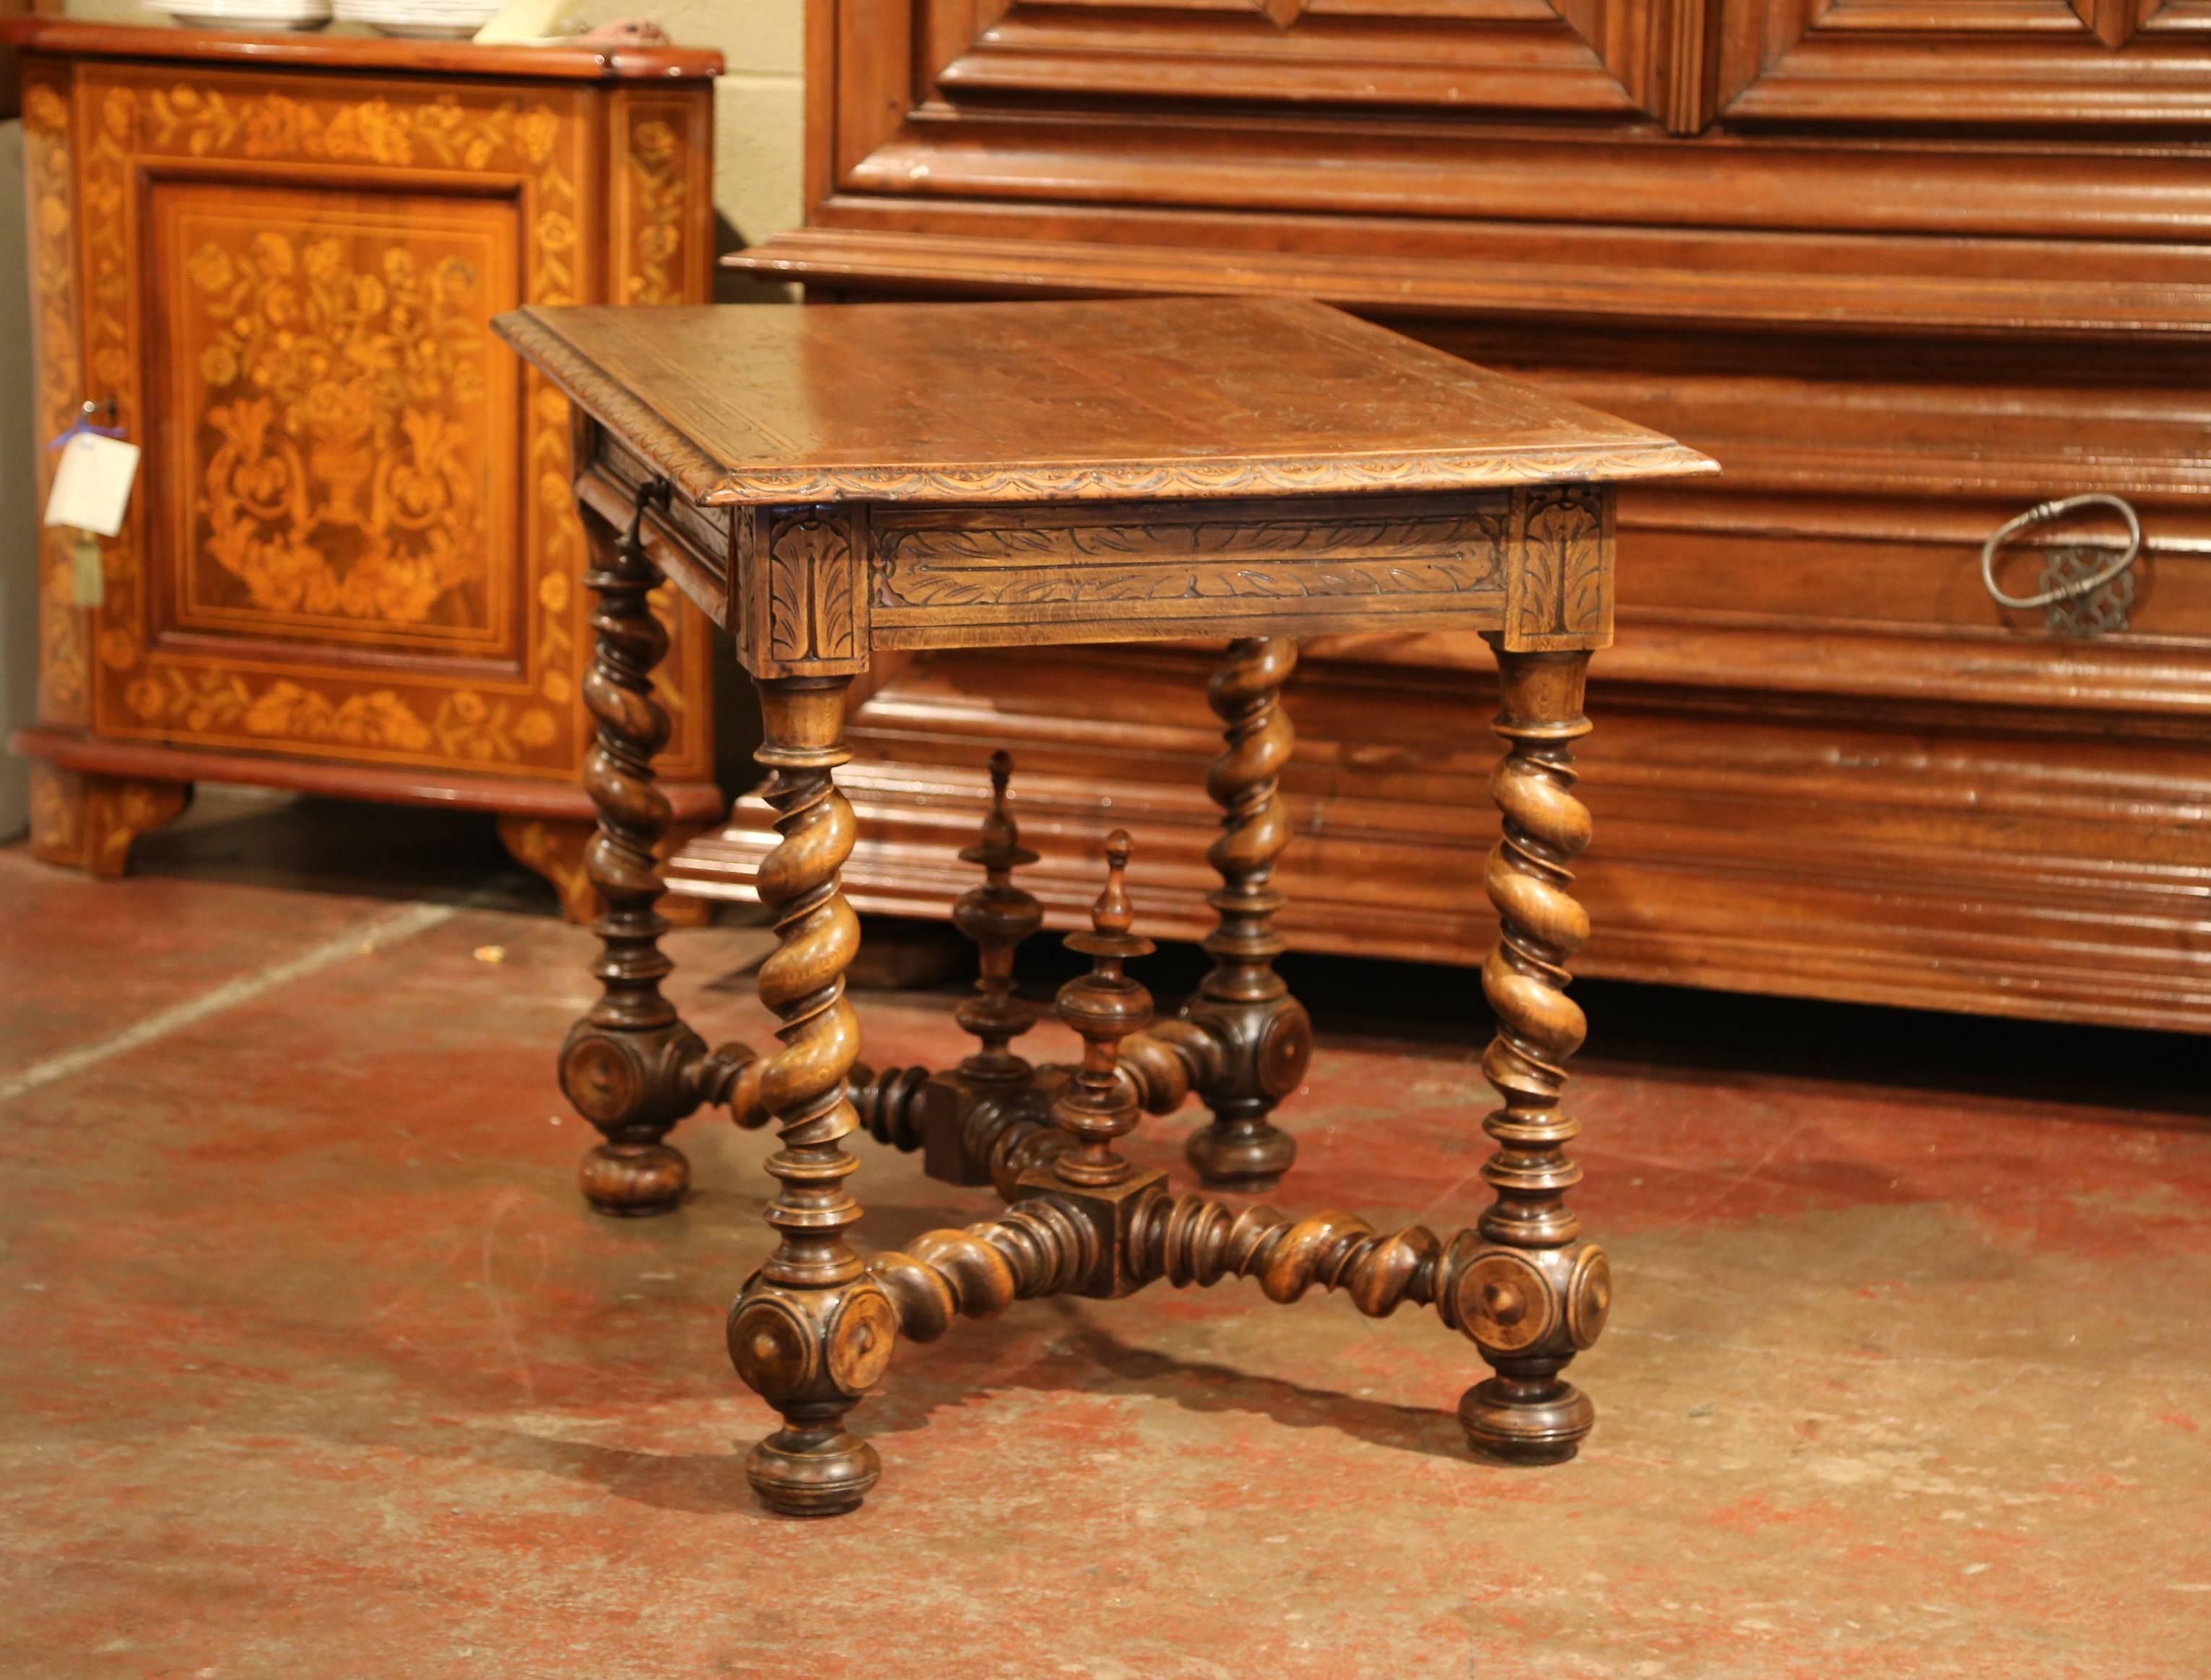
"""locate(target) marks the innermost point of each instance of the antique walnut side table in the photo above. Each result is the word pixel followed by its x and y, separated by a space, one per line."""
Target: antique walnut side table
pixel 825 482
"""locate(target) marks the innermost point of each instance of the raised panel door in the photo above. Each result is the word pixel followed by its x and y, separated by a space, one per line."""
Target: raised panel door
pixel 1165 88
pixel 1598 57
pixel 1953 61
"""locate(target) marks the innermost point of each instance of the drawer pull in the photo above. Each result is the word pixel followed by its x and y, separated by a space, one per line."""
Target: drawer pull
pixel 2088 583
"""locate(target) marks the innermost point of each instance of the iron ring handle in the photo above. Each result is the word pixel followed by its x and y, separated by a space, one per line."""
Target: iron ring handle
pixel 2042 512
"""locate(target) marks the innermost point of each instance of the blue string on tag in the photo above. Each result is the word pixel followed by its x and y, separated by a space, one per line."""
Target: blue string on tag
pixel 83 423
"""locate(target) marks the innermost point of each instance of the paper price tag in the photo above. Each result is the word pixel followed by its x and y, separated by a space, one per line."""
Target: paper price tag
pixel 92 485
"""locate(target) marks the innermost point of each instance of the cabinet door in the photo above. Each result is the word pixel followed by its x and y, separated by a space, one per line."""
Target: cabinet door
pixel 1143 101
pixel 2068 62
pixel 1588 57
pixel 352 535
pixel 330 449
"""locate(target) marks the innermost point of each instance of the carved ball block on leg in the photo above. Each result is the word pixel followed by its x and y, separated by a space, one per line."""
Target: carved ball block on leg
pixel 1537 1294
pixel 813 1354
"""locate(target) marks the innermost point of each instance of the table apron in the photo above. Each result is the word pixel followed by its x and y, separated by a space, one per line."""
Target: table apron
pixel 816 588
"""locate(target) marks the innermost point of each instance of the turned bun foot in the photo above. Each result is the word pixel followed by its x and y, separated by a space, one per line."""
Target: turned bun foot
pixel 632 1181
pixel 813 1473
pixel 1526 1423
pixel 1244 1159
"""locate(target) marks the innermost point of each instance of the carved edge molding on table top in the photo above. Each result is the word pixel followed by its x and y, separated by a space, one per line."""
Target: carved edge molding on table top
pixel 1488 469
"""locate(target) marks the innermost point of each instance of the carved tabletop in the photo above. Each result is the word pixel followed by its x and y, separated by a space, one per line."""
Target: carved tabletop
pixel 828 481
pixel 946 446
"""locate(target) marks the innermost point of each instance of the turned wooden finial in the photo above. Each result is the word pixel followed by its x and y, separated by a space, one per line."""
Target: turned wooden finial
pixel 999 833
pixel 1096 1105
pixel 1113 912
pixel 998 916
pixel 998 850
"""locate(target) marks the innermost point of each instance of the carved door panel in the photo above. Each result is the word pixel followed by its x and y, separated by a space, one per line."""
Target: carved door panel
pixel 913 77
pixel 353 536
pixel 1966 61
pixel 1588 56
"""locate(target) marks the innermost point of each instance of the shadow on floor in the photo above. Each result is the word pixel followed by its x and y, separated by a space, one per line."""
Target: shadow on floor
pixel 258 836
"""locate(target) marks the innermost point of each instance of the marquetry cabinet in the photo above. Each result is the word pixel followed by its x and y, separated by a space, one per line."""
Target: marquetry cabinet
pixel 1902 267
pixel 351 564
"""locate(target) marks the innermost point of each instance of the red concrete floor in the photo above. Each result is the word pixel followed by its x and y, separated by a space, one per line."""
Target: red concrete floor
pixel 315 1365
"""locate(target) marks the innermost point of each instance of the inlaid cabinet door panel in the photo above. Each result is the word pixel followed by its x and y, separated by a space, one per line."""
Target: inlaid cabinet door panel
pixel 353 536
pixel 336 460
pixel 1965 61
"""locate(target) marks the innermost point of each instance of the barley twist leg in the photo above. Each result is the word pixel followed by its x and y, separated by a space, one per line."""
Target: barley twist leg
pixel 1264 1036
pixel 1190 1240
pixel 1035 1247
pixel 1539 1294
pixel 630 1066
pixel 812 1331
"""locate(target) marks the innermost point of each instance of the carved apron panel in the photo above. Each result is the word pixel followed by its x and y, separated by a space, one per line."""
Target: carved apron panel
pixel 1137 571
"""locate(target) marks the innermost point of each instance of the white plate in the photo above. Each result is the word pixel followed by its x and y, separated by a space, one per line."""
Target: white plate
pixel 417 11
pixel 251 15
pixel 243 8
pixel 418 20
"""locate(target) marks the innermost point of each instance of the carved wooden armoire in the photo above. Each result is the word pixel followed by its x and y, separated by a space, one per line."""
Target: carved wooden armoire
pixel 351 565
pixel 1902 268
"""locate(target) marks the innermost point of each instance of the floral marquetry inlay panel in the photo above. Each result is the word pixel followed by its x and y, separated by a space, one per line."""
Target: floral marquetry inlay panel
pixel 353 536
pixel 339 477
pixel 662 197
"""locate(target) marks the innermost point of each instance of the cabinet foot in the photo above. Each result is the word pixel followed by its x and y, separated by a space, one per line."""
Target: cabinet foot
pixel 84 821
